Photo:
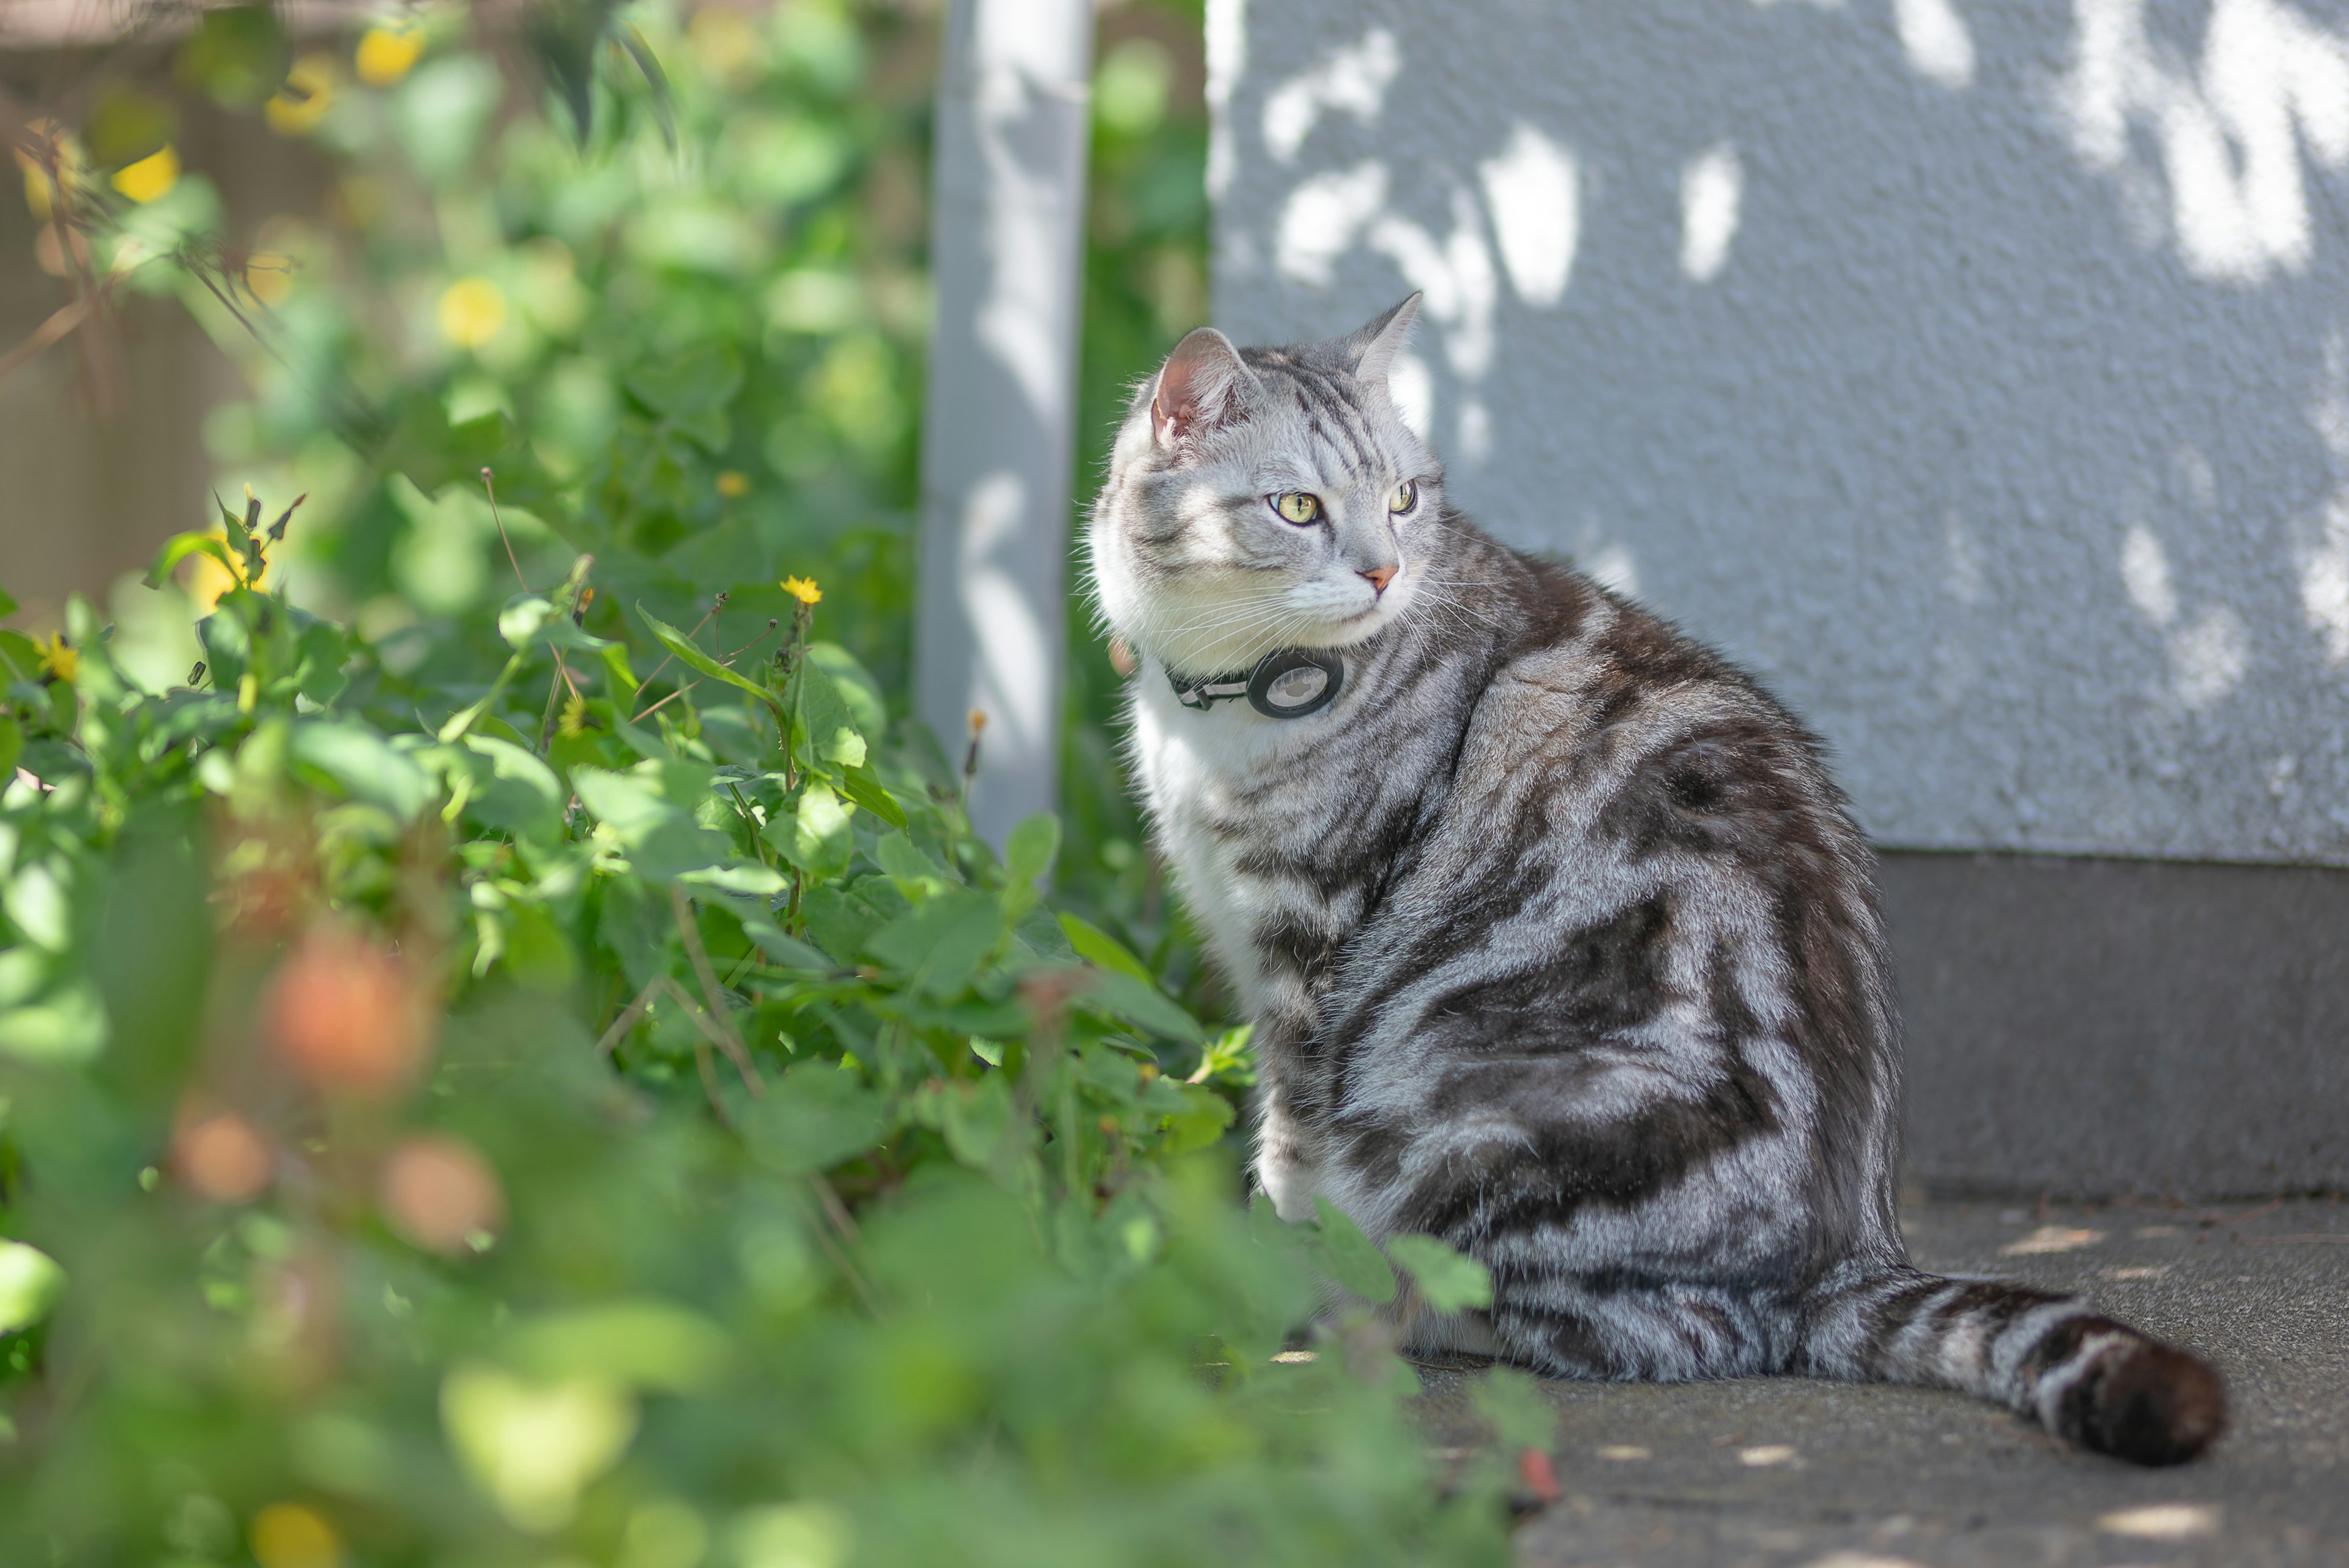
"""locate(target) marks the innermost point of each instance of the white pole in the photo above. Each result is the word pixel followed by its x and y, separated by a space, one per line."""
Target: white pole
pixel 1006 250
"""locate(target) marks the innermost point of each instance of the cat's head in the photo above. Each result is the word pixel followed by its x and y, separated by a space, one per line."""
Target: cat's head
pixel 1265 498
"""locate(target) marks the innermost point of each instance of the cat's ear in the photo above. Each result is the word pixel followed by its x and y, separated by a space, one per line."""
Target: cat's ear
pixel 1200 387
pixel 1381 341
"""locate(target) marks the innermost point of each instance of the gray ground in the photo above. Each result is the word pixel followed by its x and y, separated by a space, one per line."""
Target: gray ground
pixel 1780 1473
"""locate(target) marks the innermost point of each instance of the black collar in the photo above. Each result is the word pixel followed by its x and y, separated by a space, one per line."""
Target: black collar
pixel 1286 683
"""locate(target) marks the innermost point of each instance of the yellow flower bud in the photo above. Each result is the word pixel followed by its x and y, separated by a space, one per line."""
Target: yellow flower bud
pixel 472 311
pixel 387 54
pixel 151 178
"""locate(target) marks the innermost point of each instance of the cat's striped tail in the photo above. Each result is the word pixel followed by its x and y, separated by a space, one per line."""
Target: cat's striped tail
pixel 2053 1358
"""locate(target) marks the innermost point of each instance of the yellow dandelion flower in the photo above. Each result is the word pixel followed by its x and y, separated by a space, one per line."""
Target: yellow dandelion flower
pixel 731 484
pixel 59 658
pixel 574 722
pixel 151 178
pixel 387 54
pixel 303 101
pixel 803 589
pixel 472 311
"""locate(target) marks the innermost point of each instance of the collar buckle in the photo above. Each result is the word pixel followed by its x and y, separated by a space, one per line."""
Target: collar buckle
pixel 1286 683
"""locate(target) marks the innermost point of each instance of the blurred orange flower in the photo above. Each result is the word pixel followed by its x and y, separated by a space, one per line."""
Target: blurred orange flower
pixel 347 1015
pixel 221 1157
pixel 439 1193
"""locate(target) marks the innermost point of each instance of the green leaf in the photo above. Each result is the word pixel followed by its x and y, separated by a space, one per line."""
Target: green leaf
pixel 784 950
pixel 1201 1121
pixel 791 1535
pixel 700 382
pixel 828 722
pixel 464 719
pixel 618 671
pixel 534 1448
pixel 1513 1404
pixel 30 1283
pixel 476 441
pixel 522 797
pixel 565 38
pixel 855 685
pixel 1448 1280
pixel 236 55
pixel 1227 1057
pixel 649 1344
pixel 531 620
pixel 693 659
pixel 363 765
pixel 840 922
pixel 12 747
pixel 661 837
pixel 7 604
pixel 863 786
pixel 36 897
pixel 1028 856
pixel 320 654
pixel 941 944
pixel 18 657
pixel 913 874
pixel 664 102
pixel 1142 1004
pixel 1096 946
pixel 67 1026
pixel 816 835
pixel 744 877
pixel 1347 1256
pixel 178 548
pixel 817 1115
pixel 1269 1230
pixel 975 1118
pixel 125 125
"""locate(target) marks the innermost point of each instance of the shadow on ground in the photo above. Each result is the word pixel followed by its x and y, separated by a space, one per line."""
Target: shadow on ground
pixel 1783 1473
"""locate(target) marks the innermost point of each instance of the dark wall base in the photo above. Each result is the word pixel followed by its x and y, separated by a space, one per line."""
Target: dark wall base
pixel 2110 1028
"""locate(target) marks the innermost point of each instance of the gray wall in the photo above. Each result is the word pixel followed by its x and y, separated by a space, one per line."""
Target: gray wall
pixel 1978 369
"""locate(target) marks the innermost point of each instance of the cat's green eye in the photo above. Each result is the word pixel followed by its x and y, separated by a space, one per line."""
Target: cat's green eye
pixel 1405 497
pixel 1295 506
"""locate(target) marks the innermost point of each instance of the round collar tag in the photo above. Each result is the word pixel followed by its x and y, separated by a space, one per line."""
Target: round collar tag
pixel 1295 682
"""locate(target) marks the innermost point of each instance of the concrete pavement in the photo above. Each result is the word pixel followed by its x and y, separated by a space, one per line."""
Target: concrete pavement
pixel 1783 1473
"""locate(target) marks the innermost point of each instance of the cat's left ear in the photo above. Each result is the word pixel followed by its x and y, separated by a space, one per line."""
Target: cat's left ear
pixel 1381 341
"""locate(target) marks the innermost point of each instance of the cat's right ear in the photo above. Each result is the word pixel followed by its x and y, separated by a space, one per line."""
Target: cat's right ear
pixel 1379 341
pixel 1200 387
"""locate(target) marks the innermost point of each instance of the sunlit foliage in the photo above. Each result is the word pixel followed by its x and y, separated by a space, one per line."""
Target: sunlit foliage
pixel 508 1051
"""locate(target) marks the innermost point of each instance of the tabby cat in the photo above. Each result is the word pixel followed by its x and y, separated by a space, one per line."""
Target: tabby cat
pixel 1559 941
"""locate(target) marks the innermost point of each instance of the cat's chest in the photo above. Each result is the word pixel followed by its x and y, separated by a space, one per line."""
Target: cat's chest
pixel 1227 818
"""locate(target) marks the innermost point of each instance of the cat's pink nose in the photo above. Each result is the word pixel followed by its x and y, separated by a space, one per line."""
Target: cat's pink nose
pixel 1380 577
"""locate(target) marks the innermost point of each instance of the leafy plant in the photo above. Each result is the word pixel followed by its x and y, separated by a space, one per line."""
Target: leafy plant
pixel 510 1052
pixel 665 1136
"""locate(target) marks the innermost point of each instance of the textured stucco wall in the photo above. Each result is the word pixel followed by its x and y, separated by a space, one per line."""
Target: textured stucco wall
pixel 1978 369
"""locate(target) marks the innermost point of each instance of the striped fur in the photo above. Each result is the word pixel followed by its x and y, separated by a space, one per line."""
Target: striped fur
pixel 1561 943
